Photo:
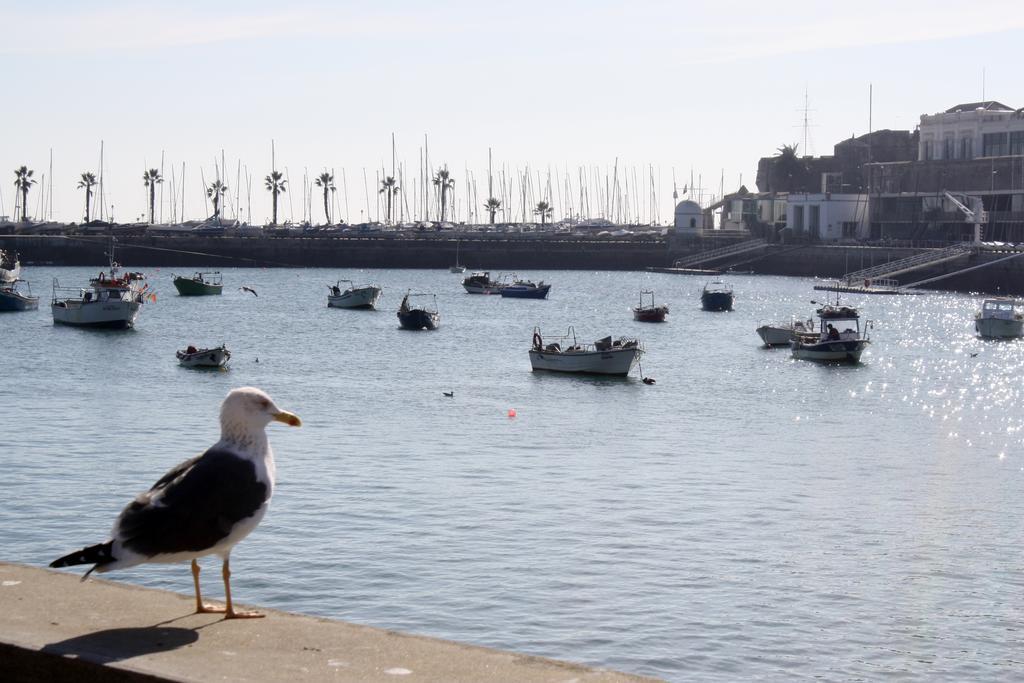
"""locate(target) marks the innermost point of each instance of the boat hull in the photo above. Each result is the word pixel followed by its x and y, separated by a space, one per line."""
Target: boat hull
pixel 521 292
pixel 419 319
pixel 482 289
pixel 189 287
pixel 363 297
pixel 109 314
pixel 836 351
pixel 15 301
pixel 999 328
pixel 773 335
pixel 716 301
pixel 616 362
pixel 650 315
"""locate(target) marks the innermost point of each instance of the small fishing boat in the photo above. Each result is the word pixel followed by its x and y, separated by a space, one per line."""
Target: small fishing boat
pixel 524 289
pixel 1000 318
pixel 649 313
pixel 830 344
pixel 717 296
pixel 114 299
pixel 481 283
pixel 10 266
pixel 362 296
pixel 191 357
pixel 200 284
pixel 780 334
pixel 603 357
pixel 11 299
pixel 421 318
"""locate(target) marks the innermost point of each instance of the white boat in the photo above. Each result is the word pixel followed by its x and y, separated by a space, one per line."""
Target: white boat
pixel 481 283
pixel 114 299
pixel 832 344
pixel 566 354
pixel 780 334
pixel 10 266
pixel 191 357
pixel 363 296
pixel 1000 319
pixel 456 269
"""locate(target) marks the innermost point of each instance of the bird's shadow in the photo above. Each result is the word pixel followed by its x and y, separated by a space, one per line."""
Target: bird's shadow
pixel 117 644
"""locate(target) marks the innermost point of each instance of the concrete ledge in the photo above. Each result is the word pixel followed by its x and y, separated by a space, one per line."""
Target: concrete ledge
pixel 54 627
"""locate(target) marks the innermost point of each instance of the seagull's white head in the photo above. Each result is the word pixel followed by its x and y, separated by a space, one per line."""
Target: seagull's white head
pixel 248 410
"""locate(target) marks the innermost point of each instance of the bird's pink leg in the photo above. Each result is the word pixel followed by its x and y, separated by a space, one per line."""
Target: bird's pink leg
pixel 200 607
pixel 231 613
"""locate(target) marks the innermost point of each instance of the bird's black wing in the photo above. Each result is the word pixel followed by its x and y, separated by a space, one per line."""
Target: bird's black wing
pixel 192 507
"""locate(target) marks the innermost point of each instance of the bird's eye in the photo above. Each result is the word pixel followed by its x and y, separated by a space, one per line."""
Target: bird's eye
pixel 264 403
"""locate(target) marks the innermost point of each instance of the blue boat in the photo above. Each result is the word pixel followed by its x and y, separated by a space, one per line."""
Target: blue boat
pixel 13 300
pixel 524 289
pixel 411 318
pixel 717 296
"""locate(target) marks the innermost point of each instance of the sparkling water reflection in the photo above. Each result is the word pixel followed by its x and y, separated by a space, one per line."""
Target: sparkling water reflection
pixel 747 516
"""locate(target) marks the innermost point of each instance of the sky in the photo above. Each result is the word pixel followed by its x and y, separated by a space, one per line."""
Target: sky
pixel 646 89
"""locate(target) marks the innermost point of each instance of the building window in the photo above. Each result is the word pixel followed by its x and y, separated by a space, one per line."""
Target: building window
pixel 814 221
pixel 798 219
pixel 966 148
pixel 1017 142
pixel 994 145
pixel 949 147
pixel 926 150
pixel 849 229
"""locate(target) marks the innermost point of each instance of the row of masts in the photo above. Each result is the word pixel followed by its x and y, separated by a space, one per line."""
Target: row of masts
pixel 620 194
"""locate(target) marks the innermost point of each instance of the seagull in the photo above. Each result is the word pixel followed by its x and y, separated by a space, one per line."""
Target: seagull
pixel 648 380
pixel 974 355
pixel 252 291
pixel 449 394
pixel 204 506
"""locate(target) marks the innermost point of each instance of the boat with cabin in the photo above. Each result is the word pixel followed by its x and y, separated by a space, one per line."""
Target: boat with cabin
pixel 716 296
pixel 649 313
pixel 525 289
pixel 13 299
pixel 481 283
pixel 418 318
pixel 200 284
pixel 781 334
pixel 565 353
pixel 114 299
pixel 361 296
pixel 839 338
pixel 192 357
pixel 1000 318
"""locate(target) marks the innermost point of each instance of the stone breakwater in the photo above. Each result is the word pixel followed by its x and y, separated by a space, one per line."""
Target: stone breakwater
pixel 497 252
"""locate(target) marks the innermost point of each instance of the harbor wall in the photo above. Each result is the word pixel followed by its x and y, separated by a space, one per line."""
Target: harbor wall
pixel 495 253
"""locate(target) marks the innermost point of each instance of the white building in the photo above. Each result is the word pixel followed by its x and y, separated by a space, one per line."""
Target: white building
pixel 971 131
pixel 689 218
pixel 828 217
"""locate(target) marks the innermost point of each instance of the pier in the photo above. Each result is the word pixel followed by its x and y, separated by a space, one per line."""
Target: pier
pixel 55 627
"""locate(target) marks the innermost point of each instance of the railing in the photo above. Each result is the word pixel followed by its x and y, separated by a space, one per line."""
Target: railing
pixel 910 263
pixel 720 252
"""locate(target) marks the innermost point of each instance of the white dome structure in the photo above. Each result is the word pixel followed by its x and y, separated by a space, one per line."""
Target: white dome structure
pixel 689 217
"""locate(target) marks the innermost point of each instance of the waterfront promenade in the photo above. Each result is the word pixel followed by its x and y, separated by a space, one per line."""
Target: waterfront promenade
pixel 55 627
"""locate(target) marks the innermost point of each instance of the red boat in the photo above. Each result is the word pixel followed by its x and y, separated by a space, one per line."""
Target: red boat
pixel 649 313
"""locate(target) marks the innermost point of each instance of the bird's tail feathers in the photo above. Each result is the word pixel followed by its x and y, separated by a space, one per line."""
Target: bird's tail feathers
pixel 98 555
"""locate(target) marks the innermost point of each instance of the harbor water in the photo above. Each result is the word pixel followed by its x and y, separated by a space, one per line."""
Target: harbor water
pixel 747 516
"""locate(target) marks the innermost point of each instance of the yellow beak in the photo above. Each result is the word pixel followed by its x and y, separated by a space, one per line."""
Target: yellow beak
pixel 289 419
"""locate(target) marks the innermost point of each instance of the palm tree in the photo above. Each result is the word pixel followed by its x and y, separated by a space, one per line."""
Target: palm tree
pixel 275 183
pixel 389 188
pixel 87 182
pixel 326 181
pixel 216 192
pixel 151 179
pixel 445 182
pixel 23 181
pixel 544 210
pixel 492 205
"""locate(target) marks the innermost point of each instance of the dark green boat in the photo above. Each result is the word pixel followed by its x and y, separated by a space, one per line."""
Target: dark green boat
pixel 199 284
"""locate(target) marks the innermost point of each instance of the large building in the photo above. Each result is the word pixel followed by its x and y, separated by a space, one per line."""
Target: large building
pixel 972 152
